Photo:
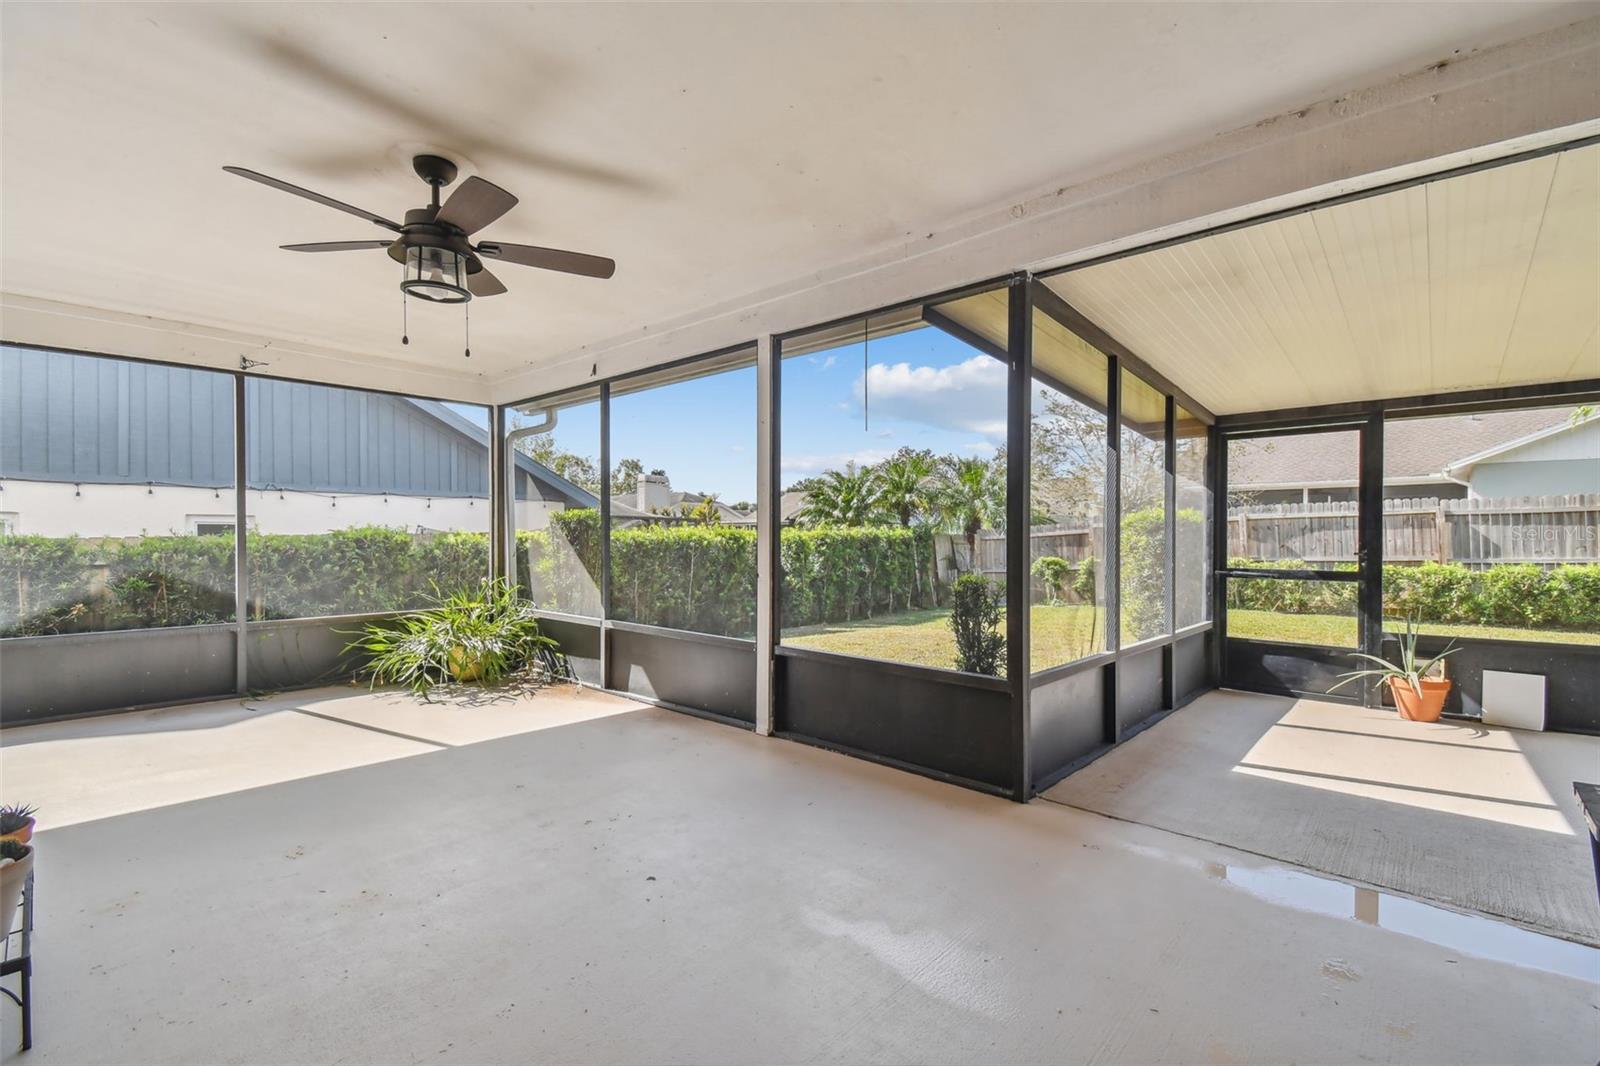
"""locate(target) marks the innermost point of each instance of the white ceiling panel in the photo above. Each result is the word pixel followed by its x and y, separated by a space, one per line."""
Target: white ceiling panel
pixel 714 150
pixel 1485 279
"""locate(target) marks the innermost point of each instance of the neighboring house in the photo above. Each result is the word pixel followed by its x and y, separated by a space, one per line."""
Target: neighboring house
pixel 655 498
pixel 1541 452
pixel 105 447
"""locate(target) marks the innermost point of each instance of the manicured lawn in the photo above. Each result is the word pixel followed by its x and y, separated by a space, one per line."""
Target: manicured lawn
pixel 1060 635
pixel 1340 630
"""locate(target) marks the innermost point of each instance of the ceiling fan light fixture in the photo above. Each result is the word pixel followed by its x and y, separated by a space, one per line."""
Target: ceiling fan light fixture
pixel 438 275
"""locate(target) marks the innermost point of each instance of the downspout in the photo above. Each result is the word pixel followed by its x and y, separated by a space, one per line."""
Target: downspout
pixel 509 533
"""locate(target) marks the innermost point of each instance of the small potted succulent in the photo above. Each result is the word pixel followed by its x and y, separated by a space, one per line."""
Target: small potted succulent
pixel 1419 688
pixel 16 822
pixel 16 862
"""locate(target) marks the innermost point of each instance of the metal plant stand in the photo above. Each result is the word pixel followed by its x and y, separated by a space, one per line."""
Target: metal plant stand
pixel 22 963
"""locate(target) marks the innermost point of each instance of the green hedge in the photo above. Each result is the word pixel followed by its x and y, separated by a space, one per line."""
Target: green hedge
pixel 693 577
pixel 70 585
pixel 1565 597
pixel 703 578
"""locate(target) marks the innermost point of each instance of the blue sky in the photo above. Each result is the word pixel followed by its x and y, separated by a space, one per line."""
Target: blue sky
pixel 925 389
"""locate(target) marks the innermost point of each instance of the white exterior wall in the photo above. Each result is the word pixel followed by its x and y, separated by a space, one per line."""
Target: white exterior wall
pixel 57 509
pixel 1562 464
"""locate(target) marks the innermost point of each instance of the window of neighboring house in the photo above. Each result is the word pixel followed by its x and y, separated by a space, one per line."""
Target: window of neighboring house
pixel 339 480
pixel 116 448
pixel 1516 554
pixel 8 523
pixel 683 482
pixel 212 525
pixel 894 480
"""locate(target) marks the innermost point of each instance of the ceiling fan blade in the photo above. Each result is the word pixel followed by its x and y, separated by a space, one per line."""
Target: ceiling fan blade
pixel 590 266
pixel 326 201
pixel 475 204
pixel 335 246
pixel 484 283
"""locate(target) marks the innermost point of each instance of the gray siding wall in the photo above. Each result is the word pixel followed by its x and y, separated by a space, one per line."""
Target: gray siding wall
pixel 74 418
pixel 78 419
pixel 321 439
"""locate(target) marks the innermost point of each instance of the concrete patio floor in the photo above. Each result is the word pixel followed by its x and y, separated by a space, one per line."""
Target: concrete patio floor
pixel 615 883
pixel 1473 816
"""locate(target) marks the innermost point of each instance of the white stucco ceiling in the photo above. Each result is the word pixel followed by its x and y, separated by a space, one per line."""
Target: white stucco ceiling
pixel 711 150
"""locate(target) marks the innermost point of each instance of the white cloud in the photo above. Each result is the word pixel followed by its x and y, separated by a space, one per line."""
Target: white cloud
pixel 797 466
pixel 827 363
pixel 968 397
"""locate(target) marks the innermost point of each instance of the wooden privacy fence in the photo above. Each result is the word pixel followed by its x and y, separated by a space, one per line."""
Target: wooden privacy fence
pixel 1474 533
pixel 1073 541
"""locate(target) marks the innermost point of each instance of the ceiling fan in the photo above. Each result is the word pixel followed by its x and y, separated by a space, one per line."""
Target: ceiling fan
pixel 441 262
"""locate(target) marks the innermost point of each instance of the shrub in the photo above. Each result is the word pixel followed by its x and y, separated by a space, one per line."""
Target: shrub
pixel 481 635
pixel 974 619
pixel 1084 583
pixel 1052 572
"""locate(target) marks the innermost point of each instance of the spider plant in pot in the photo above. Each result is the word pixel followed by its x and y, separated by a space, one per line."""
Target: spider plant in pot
pixel 483 635
pixel 1419 692
pixel 16 822
pixel 16 862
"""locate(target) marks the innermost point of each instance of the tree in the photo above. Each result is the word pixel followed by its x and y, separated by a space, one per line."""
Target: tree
pixel 906 486
pixel 971 493
pixel 578 469
pixel 705 513
pixel 1069 460
pixel 625 478
pixel 842 498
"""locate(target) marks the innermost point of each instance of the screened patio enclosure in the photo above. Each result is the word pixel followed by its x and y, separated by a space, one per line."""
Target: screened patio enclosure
pixel 1172 469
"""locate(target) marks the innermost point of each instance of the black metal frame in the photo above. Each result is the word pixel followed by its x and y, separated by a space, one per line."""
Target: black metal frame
pixel 241 626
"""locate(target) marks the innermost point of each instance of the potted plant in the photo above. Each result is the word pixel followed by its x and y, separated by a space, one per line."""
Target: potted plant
pixel 483 635
pixel 1419 694
pixel 16 822
pixel 16 862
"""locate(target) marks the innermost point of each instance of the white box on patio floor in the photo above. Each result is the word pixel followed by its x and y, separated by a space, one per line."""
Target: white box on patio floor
pixel 1513 700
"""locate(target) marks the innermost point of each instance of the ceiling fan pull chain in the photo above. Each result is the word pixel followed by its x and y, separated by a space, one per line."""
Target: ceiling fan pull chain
pixel 405 323
pixel 466 312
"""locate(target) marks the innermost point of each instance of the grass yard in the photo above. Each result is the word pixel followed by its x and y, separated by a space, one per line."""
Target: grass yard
pixel 1060 635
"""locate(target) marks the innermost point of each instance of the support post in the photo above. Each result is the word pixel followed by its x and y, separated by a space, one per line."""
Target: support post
pixel 1369 543
pixel 767 489
pixel 1019 511
pixel 1112 571
pixel 1217 482
pixel 1169 682
pixel 501 497
pixel 605 533
pixel 241 536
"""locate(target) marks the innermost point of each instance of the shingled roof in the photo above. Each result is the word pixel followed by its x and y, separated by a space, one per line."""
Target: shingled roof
pixel 1414 448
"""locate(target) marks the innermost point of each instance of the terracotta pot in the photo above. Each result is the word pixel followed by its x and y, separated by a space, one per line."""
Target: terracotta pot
pixel 464 667
pixel 13 875
pixel 21 836
pixel 1424 708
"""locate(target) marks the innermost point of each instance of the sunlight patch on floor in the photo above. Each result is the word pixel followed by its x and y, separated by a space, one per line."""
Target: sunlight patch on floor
pixel 91 768
pixel 1447 766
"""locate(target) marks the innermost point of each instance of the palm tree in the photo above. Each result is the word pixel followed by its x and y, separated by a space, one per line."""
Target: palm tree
pixel 906 491
pixel 971 493
pixel 905 486
pixel 846 497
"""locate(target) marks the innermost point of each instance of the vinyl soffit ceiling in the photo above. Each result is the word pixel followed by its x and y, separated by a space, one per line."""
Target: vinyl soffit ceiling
pixel 1483 280
pixel 712 150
